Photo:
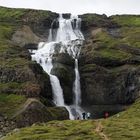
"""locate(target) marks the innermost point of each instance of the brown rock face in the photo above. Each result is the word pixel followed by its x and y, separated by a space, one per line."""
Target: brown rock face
pixel 25 36
pixel 34 111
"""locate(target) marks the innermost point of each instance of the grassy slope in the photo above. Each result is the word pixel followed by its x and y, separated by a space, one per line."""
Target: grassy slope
pixel 128 33
pixel 19 15
pixel 123 127
pixel 127 20
pixel 126 126
pixel 9 104
pixel 108 45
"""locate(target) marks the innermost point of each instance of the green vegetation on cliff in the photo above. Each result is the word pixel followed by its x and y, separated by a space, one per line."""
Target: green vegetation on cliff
pixel 131 36
pixel 124 125
pixel 18 74
pixel 26 15
pixel 10 103
pixel 11 14
pixel 127 20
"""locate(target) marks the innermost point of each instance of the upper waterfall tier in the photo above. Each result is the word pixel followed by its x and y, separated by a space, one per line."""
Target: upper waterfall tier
pixel 68 29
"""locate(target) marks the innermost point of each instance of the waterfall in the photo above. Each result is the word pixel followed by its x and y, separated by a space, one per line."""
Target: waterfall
pixel 67 38
pixel 77 87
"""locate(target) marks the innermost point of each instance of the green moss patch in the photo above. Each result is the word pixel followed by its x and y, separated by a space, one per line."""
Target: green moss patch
pixel 9 104
pixel 131 36
pixel 6 31
pixel 113 54
pixel 124 125
pixel 15 15
pixel 127 20
pixel 11 14
pixel 105 39
pixel 70 130
pixel 107 46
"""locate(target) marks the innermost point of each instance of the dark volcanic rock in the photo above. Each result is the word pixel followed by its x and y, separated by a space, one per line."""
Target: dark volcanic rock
pixel 34 111
pixel 31 46
pixel 95 20
pixel 64 70
pixel 101 86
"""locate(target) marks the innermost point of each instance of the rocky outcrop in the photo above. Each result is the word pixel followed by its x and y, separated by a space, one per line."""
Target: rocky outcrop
pixel 117 86
pixel 6 126
pixel 25 36
pixel 64 70
pixel 34 111
pixel 94 20
pixel 24 112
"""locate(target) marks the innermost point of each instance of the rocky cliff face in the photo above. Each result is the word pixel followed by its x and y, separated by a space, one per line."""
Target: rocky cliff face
pixel 22 29
pixel 109 61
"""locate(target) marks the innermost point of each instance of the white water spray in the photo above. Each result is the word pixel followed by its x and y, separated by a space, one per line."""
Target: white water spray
pixel 67 39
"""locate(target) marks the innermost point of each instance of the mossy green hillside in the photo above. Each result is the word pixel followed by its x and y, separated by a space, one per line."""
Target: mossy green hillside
pixel 124 126
pixel 112 54
pixel 127 20
pixel 11 14
pixel 10 103
pixel 105 47
pixel 6 30
pixel 109 47
pixel 130 36
pixel 22 15
pixel 70 130
pixel 128 31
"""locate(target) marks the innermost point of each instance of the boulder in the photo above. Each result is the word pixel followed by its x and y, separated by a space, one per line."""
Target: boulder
pixel 25 36
pixel 33 111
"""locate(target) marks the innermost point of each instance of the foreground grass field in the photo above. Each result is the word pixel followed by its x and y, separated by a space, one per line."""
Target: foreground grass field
pixel 122 126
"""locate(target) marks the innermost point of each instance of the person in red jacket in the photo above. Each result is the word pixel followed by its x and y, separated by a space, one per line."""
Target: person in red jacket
pixel 106 115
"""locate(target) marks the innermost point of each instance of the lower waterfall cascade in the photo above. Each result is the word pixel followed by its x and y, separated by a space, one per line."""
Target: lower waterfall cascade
pixel 67 38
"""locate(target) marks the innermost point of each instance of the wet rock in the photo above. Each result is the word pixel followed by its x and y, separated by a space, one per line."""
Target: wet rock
pixel 66 16
pixel 31 46
pixel 64 70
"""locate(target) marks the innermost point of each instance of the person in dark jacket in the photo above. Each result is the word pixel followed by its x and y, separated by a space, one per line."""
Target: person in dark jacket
pixel 84 115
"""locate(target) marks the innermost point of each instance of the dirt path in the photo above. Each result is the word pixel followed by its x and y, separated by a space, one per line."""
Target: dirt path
pixel 99 130
pixel 25 105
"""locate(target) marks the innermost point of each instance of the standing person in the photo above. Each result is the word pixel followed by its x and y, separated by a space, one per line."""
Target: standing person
pixel 84 115
pixel 106 115
pixel 88 115
pixel 78 117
